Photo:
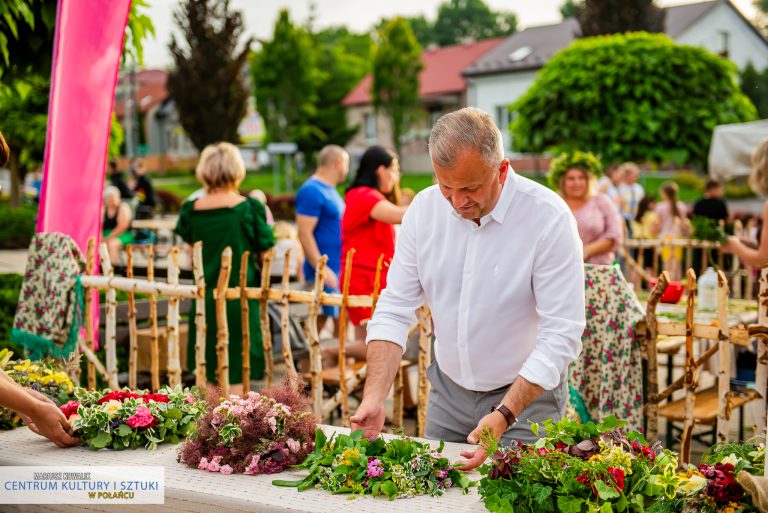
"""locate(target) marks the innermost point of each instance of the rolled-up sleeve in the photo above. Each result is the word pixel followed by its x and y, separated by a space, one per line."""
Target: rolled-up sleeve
pixel 558 287
pixel 396 308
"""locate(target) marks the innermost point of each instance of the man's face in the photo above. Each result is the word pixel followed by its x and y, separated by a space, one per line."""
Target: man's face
pixel 342 166
pixel 716 192
pixel 471 186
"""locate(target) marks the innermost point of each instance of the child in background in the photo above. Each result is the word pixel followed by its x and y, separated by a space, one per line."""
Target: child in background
pixel 287 237
pixel 261 197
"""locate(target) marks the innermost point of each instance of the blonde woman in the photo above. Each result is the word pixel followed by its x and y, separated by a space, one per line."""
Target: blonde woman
pixel 597 218
pixel 758 180
pixel 223 218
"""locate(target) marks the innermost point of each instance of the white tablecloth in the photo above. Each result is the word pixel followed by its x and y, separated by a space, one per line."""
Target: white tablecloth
pixel 191 490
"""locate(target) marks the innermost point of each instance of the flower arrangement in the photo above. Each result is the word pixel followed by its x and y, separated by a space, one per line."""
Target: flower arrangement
pixel 401 467
pixel 713 487
pixel 255 434
pixel 576 468
pixel 126 419
pixel 45 376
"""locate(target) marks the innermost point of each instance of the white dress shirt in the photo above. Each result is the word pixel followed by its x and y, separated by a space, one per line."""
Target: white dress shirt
pixel 507 296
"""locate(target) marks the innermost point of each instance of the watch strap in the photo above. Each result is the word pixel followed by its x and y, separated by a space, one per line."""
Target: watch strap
pixel 508 415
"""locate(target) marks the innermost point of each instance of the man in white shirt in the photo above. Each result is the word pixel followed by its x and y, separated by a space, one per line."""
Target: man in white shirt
pixel 499 261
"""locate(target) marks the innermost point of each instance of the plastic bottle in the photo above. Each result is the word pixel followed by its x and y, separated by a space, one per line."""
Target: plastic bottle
pixel 707 289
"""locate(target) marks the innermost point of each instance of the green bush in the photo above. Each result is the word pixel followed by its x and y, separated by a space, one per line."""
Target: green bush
pixel 690 180
pixel 10 284
pixel 635 96
pixel 739 188
pixel 17 226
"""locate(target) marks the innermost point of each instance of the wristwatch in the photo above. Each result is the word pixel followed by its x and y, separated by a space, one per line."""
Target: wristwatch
pixel 508 415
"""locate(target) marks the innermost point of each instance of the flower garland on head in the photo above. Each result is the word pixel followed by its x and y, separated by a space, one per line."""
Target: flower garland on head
pixel 584 160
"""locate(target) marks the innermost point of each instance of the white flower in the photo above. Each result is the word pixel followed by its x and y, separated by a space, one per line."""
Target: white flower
pixel 112 407
pixel 731 458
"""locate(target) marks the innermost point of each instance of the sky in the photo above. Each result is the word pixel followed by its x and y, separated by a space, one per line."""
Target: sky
pixel 358 15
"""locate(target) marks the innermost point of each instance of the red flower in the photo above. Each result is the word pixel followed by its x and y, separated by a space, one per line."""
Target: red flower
pixel 723 487
pixel 617 475
pixel 643 450
pixel 69 408
pixel 560 446
pixel 118 395
pixel 542 451
pixel 158 398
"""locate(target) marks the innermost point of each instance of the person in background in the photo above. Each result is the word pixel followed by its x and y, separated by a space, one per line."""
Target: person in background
pixel 609 183
pixel 286 237
pixel 261 197
pixel 319 209
pixel 145 193
pixel 117 179
pixel 598 220
pixel 630 193
pixel 673 224
pixel 646 226
pixel 712 204
pixel 758 181
pixel 223 218
pixel 115 227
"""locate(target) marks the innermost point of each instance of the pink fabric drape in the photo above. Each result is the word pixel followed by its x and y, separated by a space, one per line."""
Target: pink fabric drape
pixel 86 57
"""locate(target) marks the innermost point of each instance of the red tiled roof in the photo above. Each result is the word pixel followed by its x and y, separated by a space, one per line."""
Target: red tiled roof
pixel 150 90
pixel 441 73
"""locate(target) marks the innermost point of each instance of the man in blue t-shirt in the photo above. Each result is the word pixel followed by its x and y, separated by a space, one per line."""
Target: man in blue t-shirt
pixel 319 209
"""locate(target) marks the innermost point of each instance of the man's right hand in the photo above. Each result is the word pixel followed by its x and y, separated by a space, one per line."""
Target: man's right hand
pixel 331 280
pixel 51 423
pixel 370 418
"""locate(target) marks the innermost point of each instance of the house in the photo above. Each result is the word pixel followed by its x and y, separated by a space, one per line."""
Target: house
pixel 442 89
pixel 503 74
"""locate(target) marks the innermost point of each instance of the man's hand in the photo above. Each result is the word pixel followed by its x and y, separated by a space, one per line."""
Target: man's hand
pixel 370 418
pixel 51 423
pixel 331 280
pixel 496 424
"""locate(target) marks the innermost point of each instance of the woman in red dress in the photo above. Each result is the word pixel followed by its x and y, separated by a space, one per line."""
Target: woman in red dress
pixel 368 226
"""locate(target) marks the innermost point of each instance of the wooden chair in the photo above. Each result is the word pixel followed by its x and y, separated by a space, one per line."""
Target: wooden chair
pixel 713 406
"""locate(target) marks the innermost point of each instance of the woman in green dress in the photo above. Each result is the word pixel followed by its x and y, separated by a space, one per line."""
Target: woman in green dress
pixel 223 218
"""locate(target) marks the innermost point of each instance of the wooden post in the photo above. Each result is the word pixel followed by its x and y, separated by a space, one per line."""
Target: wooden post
pixel 133 347
pixel 266 331
pixel 689 383
pixel 397 399
pixel 377 282
pixel 110 335
pixel 652 408
pixel 761 372
pixel 89 313
pixel 724 371
pixel 313 337
pixel 343 338
pixel 153 337
pixel 736 265
pixel 200 327
pixel 222 332
pixel 655 264
pixel 245 324
pixel 285 312
pixel 97 365
pixel 425 358
pixel 689 254
pixel 172 332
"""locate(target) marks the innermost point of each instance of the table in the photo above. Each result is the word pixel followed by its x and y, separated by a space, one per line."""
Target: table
pixel 191 490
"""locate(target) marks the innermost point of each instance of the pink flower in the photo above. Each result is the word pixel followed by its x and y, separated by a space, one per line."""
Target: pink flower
pixel 214 466
pixel 142 419
pixel 293 445
pixel 272 424
pixel 226 470
pixel 189 399
pixel 69 408
pixel 203 465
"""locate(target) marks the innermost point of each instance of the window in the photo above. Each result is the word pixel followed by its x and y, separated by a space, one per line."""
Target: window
pixel 724 43
pixel 503 118
pixel 370 127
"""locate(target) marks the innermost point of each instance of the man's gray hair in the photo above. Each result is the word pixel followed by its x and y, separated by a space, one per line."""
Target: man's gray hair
pixel 462 130
pixel 330 154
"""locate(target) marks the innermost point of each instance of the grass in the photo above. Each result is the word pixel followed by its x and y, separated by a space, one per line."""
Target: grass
pixel 184 185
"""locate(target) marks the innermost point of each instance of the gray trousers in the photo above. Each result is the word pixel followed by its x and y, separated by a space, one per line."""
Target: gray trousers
pixel 453 411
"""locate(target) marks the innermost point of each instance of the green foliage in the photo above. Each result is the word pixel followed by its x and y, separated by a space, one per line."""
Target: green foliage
pixel 207 80
pixel 598 17
pixel 423 29
pixel 139 27
pixel 10 285
pixel 754 84
pixel 26 37
pixel 396 66
pixel 583 160
pixel 638 97
pixel 461 19
pixel 571 8
pixel 285 76
pixel 17 226
pixel 116 135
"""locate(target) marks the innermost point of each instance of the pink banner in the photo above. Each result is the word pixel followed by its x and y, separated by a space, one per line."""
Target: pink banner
pixel 86 58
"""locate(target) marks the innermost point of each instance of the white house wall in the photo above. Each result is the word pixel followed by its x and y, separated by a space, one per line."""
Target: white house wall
pixel 489 93
pixel 744 45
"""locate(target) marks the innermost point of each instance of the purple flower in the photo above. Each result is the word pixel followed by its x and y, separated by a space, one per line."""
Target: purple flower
pixel 442 474
pixel 375 469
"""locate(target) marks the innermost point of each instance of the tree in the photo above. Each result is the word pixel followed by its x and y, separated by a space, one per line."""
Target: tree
pixel 754 84
pixel 461 19
pixel 207 82
pixel 571 8
pixel 423 29
pixel 598 17
pixel 396 66
pixel 284 75
pixel 658 102
pixel 26 37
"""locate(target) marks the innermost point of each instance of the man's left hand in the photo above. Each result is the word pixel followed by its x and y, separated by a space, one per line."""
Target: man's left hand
pixel 496 424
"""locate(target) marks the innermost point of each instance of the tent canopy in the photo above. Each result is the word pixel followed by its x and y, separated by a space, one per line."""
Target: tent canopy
pixel 730 152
